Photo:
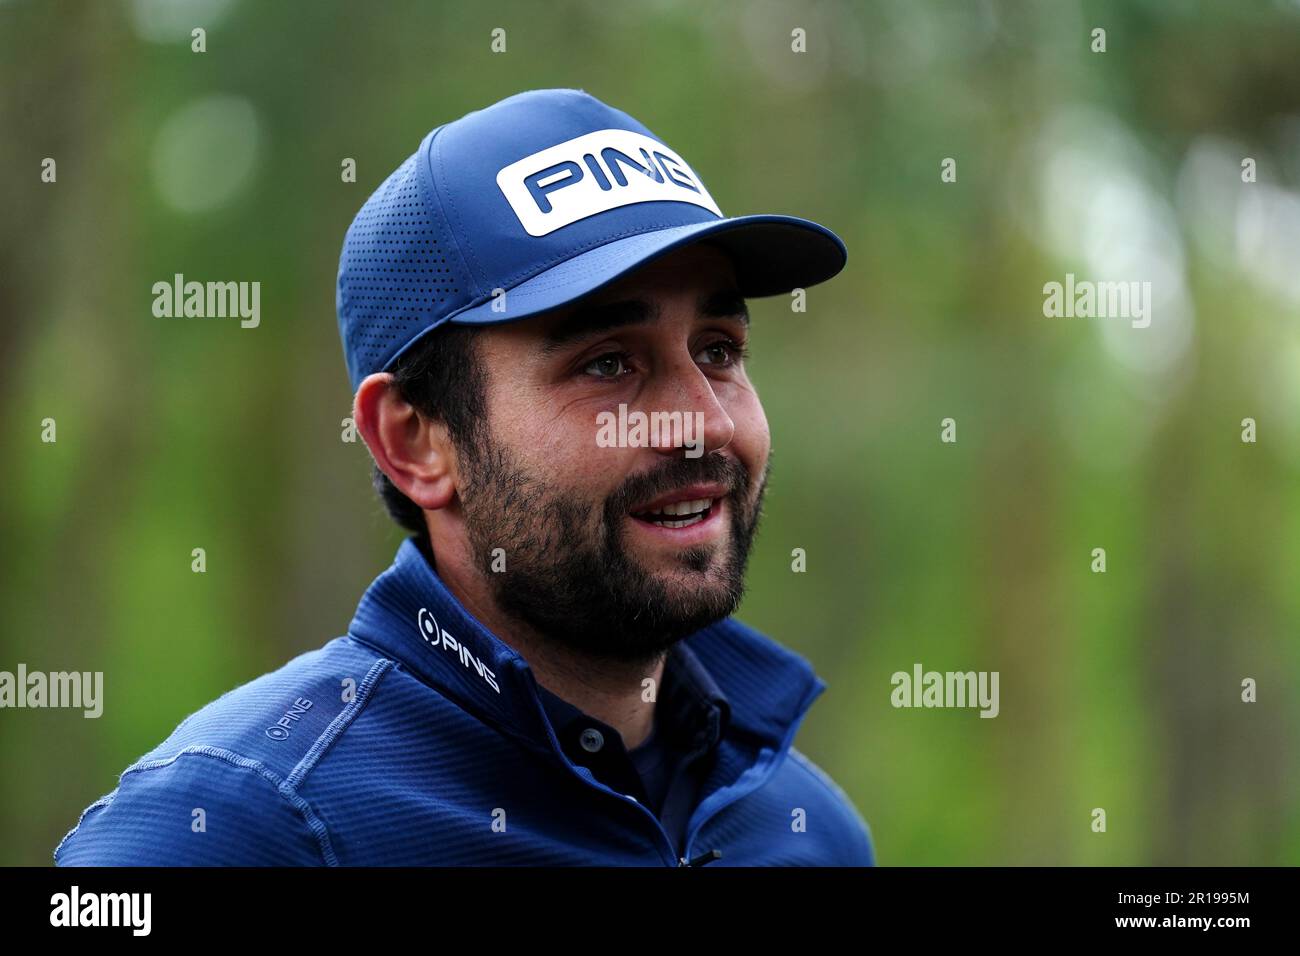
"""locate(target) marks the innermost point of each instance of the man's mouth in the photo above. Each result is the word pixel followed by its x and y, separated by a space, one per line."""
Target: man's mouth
pixel 682 514
pixel 691 505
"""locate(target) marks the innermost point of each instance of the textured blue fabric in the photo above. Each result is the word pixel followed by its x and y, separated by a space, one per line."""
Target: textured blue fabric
pixel 420 738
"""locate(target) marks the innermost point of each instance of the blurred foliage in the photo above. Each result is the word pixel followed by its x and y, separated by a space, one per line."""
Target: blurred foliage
pixel 1119 690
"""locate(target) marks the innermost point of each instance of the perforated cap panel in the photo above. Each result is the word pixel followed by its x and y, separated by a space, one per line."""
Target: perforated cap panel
pixel 399 271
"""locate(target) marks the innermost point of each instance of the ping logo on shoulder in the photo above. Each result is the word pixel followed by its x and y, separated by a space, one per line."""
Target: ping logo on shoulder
pixel 280 731
pixel 435 636
pixel 594 173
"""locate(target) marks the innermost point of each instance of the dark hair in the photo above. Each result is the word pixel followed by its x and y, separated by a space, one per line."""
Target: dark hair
pixel 442 377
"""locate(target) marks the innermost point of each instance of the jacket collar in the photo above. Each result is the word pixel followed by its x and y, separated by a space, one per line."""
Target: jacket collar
pixel 410 615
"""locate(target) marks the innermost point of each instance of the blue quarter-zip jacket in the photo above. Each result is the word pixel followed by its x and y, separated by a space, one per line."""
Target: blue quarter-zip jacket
pixel 420 738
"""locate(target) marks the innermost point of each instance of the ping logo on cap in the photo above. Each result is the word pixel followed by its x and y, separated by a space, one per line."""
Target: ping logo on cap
pixel 594 173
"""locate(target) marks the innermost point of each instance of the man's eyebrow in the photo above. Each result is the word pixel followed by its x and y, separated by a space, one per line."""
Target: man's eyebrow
pixel 591 320
pixel 724 304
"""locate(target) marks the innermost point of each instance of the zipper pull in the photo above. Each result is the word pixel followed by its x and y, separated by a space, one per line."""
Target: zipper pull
pixel 706 857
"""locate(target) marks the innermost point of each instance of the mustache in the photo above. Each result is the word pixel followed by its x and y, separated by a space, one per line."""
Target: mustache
pixel 675 473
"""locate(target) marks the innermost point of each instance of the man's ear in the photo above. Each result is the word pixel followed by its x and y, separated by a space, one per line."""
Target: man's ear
pixel 414 452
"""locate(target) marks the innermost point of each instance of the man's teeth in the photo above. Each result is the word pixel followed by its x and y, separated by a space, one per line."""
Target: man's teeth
pixel 683 507
pixel 693 519
pixel 692 512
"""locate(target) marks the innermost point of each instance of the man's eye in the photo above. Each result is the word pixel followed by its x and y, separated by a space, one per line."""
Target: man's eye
pixel 609 365
pixel 723 352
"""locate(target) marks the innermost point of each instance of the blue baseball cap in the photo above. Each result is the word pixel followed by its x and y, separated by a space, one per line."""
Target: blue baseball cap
pixel 530 204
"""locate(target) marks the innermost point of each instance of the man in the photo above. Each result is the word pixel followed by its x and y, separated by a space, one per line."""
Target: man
pixel 548 673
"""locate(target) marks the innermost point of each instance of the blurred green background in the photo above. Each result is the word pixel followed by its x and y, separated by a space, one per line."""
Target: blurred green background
pixel 1118 690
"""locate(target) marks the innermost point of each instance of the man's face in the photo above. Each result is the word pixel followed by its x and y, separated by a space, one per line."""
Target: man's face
pixel 620 551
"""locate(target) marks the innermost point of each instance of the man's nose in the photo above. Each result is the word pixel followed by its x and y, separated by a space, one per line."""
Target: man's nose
pixel 706 426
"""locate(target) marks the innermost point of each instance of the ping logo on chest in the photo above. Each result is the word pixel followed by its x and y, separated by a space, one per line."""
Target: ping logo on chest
pixel 594 173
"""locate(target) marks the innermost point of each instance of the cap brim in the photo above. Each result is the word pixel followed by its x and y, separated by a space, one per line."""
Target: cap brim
pixel 771 254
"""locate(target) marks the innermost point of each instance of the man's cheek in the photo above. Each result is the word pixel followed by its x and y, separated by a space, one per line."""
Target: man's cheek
pixel 753 444
pixel 568 441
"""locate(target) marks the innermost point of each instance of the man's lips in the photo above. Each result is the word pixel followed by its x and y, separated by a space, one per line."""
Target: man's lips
pixel 684 530
pixel 686 516
pixel 684 500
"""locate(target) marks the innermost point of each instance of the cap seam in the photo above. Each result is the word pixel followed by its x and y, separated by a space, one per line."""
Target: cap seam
pixel 466 256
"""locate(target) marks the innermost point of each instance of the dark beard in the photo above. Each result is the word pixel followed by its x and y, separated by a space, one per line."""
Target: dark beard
pixel 579 587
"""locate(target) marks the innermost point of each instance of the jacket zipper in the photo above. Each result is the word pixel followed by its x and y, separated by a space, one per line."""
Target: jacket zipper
pixel 763 777
pixel 707 856
pixel 702 859
pixel 592 781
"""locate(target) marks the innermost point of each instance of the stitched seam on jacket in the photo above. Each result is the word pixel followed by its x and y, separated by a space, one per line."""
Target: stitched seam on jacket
pixel 339 723
pixel 300 804
pixel 103 801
